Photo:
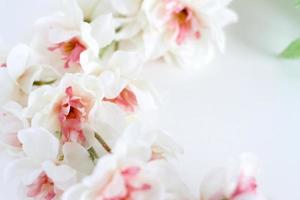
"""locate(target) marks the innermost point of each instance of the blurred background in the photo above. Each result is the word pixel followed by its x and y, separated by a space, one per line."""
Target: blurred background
pixel 246 100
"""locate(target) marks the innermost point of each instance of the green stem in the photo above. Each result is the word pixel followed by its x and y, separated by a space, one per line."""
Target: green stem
pixel 40 83
pixel 103 143
pixel 93 154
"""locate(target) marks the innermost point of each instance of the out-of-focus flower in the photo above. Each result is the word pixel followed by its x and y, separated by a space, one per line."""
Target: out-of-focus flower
pixel 146 145
pixel 185 32
pixel 128 175
pixel 18 74
pixel 39 174
pixel 234 182
pixel 12 120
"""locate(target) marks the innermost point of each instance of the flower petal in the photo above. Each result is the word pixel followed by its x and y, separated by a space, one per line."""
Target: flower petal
pixel 17 61
pixel 103 30
pixel 75 193
pixel 108 120
pixel 129 63
pixel 126 7
pixel 16 170
pixel 77 157
pixel 39 144
pixel 63 176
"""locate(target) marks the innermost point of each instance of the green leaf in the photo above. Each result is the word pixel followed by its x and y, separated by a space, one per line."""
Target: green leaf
pixel 297 3
pixel 292 51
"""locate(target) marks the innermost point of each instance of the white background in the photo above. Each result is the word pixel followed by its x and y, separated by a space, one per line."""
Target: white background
pixel 246 100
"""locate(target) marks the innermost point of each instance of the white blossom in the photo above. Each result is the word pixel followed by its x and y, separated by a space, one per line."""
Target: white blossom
pixel 237 181
pixel 75 111
pixel 185 32
pixel 131 173
pixel 12 120
pixel 39 174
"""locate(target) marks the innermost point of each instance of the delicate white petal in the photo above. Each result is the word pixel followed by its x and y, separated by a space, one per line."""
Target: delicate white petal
pixel 108 120
pixel 63 176
pixel 16 170
pixel 103 30
pixel 126 7
pixel 17 61
pixel 38 144
pixel 78 158
pixel 102 172
pixel 173 186
pixel 116 187
pixel 145 97
pixel 128 30
pixel 38 99
pixel 87 6
pixel 73 11
pixel 223 182
pixel 12 118
pixel 129 63
pixel 75 193
pixel 113 84
pixel 22 67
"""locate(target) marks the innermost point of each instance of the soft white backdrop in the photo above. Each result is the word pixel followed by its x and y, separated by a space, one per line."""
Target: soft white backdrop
pixel 246 100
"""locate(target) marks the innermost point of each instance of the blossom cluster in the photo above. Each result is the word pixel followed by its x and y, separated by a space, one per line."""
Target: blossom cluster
pixel 72 98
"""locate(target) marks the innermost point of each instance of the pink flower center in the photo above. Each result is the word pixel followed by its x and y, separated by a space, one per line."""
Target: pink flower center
pixel 71 115
pixel 70 51
pixel 3 65
pixel 182 19
pixel 126 100
pixel 245 185
pixel 42 188
pixel 129 174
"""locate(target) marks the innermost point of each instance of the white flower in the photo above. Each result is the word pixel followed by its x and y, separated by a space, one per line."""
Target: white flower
pixel 62 39
pixel 39 175
pixel 146 145
pixel 75 111
pixel 233 182
pixel 114 179
pixel 121 84
pixel 19 73
pixel 12 120
pixel 133 171
pixel 117 22
pixel 126 21
pixel 119 75
pixel 129 19
pixel 185 32
pixel 9 89
pixel 22 66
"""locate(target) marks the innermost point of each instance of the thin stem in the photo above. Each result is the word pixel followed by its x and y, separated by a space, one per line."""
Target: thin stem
pixel 93 154
pixel 103 143
pixel 40 83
